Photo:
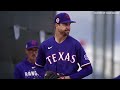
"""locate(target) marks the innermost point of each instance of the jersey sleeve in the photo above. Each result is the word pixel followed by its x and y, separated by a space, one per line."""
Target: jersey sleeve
pixel 17 73
pixel 40 61
pixel 82 56
pixel 84 64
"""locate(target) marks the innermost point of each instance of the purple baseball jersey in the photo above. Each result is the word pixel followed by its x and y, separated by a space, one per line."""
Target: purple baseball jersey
pixel 27 70
pixel 62 58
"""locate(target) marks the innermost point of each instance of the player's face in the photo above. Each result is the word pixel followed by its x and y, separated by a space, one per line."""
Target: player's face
pixel 32 54
pixel 64 28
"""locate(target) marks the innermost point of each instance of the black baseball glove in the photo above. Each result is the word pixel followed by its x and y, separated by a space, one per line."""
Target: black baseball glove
pixel 51 75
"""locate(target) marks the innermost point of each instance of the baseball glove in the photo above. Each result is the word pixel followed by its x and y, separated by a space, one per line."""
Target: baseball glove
pixel 51 75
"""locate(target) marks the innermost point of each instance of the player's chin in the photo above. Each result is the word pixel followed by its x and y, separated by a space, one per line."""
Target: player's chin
pixel 34 58
pixel 67 32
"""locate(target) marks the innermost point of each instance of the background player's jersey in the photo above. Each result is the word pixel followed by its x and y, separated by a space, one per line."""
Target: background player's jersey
pixel 63 57
pixel 26 70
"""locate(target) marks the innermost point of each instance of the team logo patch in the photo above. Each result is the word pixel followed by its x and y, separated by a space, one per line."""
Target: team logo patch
pixel 86 58
pixel 57 20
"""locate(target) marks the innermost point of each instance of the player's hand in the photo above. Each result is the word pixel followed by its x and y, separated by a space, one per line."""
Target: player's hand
pixel 64 77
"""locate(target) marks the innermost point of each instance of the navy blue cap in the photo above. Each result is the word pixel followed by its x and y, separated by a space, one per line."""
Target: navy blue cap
pixel 32 44
pixel 63 18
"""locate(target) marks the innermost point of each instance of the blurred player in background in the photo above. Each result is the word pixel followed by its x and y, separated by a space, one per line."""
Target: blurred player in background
pixel 61 53
pixel 27 69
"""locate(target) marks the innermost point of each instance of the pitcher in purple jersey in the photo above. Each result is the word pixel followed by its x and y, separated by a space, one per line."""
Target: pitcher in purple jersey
pixel 27 69
pixel 61 53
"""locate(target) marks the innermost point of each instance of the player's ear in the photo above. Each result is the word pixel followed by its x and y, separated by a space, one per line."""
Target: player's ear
pixel 56 24
pixel 26 51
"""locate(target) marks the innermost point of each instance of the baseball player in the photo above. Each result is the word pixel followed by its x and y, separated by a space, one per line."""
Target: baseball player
pixel 61 53
pixel 27 69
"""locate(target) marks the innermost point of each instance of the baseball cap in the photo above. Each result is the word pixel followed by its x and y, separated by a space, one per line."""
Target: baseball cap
pixel 63 18
pixel 32 44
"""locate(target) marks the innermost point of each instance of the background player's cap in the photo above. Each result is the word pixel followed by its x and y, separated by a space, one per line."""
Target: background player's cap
pixel 63 18
pixel 32 44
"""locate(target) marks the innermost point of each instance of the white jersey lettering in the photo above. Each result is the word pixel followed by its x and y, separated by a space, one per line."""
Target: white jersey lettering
pixel 26 74
pixel 61 56
pixel 33 73
pixel 73 58
pixel 53 57
pixel 70 58
pixel 48 58
pixel 67 57
pixel 29 73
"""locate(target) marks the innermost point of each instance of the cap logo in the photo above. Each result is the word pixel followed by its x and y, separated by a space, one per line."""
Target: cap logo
pixel 57 20
pixel 33 43
pixel 67 16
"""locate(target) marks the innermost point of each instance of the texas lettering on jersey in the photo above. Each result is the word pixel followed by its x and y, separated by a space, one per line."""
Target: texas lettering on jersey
pixel 61 56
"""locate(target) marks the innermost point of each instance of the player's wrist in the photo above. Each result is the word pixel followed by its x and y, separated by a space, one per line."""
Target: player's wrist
pixel 65 77
pixel 62 77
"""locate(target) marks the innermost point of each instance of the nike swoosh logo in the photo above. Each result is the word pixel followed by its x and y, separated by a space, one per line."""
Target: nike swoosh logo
pixel 49 47
pixel 33 67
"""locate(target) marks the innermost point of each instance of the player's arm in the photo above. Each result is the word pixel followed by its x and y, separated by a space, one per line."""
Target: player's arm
pixel 85 71
pixel 40 71
pixel 41 60
pixel 17 73
pixel 86 67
